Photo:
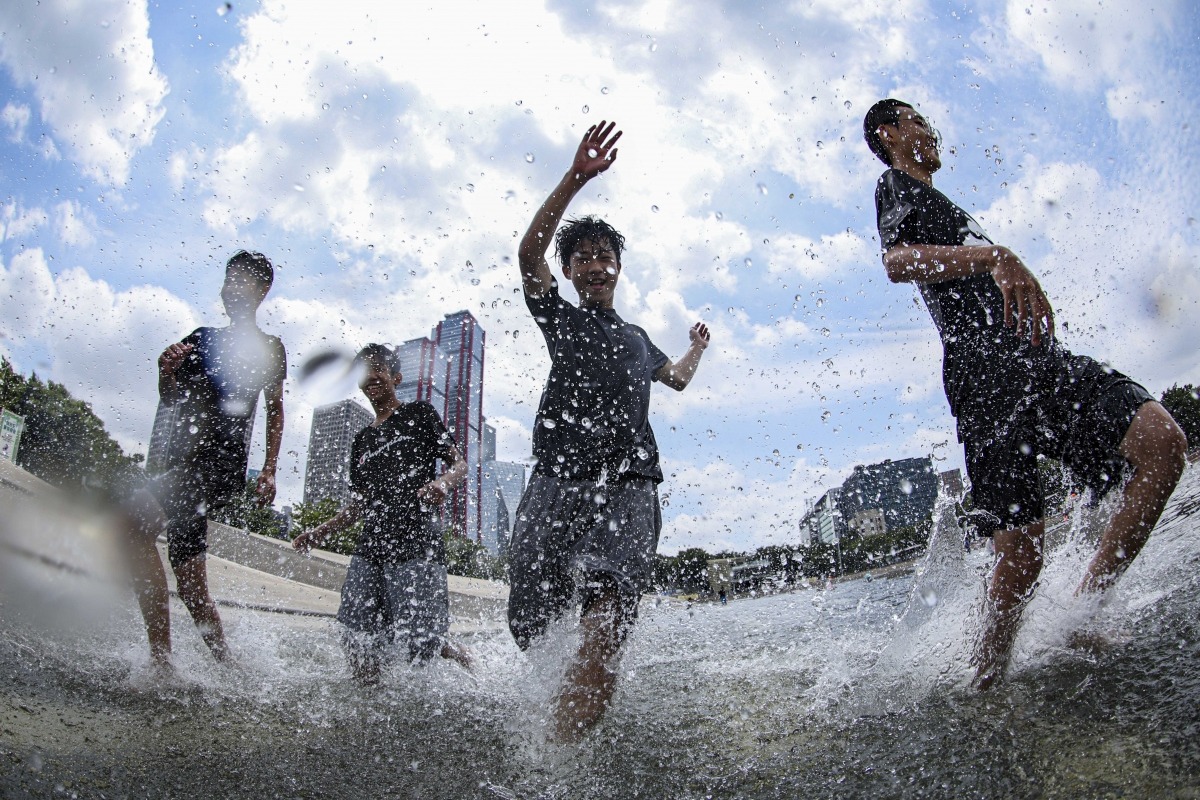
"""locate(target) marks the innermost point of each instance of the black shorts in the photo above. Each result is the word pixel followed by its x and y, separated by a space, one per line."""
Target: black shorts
pixel 574 540
pixel 186 495
pixel 1077 412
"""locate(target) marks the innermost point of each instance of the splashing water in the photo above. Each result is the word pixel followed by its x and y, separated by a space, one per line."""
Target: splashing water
pixel 856 690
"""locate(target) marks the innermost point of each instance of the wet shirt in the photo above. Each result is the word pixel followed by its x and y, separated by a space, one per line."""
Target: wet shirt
pixel 982 358
pixel 219 382
pixel 593 420
pixel 388 464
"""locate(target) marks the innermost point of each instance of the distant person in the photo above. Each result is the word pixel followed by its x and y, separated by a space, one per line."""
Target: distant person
pixel 1015 391
pixel 397 578
pixel 589 521
pixel 213 377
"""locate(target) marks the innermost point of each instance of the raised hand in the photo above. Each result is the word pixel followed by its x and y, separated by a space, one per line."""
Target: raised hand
pixel 1023 298
pixel 172 357
pixel 597 152
pixel 699 335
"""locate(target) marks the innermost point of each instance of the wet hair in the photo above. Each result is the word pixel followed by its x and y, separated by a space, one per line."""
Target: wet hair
pixel 577 230
pixel 256 265
pixel 885 112
pixel 380 353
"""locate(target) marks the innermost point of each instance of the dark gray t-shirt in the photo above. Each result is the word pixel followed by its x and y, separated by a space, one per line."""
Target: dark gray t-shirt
pixel 593 420
pixel 986 364
pixel 219 383
pixel 388 464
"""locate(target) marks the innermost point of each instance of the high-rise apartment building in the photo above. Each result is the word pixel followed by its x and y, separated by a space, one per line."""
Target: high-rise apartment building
pixel 461 338
pixel 327 473
pixel 503 485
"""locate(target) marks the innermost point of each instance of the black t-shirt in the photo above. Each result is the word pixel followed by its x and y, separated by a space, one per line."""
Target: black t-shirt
pixel 983 358
pixel 219 382
pixel 388 464
pixel 594 416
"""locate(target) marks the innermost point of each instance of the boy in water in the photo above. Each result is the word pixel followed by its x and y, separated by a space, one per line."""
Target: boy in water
pixel 589 520
pixel 213 378
pixel 397 577
pixel 1015 391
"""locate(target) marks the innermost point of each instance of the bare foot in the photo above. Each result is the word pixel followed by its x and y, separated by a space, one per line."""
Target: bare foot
pixel 453 651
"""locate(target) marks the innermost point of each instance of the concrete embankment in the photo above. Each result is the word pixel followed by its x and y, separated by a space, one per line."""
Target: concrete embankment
pixel 245 570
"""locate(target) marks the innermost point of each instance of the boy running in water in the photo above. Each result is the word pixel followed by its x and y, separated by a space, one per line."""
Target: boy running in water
pixel 397 578
pixel 213 377
pixel 1015 391
pixel 588 524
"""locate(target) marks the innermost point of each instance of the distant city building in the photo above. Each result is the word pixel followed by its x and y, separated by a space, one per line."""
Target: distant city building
pixel 327 473
pixel 446 371
pixel 462 339
pixel 875 499
pixel 423 369
pixel 503 485
pixel 823 522
pixel 904 490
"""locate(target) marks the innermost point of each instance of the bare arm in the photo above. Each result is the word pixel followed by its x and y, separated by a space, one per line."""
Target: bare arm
pixel 436 490
pixel 679 375
pixel 340 521
pixel 593 156
pixel 266 479
pixel 1023 295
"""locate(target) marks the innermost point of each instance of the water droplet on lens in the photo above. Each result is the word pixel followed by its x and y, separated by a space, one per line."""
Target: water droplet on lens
pixel 529 157
pixel 748 263
pixel 848 104
pixel 474 281
pixel 586 109
pixel 324 106
pixel 224 9
pixel 929 596
pixel 654 209
pixel 603 90
pixel 762 188
pixel 549 423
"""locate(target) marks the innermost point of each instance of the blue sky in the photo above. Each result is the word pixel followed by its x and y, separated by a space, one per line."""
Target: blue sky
pixel 387 158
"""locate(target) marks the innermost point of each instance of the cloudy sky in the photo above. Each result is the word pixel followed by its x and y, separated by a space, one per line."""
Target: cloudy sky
pixel 387 156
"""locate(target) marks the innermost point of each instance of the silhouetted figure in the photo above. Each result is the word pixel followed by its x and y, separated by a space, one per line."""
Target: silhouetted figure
pixel 213 378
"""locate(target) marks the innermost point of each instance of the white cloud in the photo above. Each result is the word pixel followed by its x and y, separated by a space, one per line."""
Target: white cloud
pixel 17 222
pixel 16 117
pixel 92 71
pixel 75 224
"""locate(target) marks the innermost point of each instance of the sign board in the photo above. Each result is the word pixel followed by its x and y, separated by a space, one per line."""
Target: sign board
pixel 11 428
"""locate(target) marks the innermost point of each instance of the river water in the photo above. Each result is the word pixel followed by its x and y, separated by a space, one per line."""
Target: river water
pixel 854 691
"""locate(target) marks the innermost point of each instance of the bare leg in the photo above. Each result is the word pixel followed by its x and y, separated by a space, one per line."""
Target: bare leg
pixel 1018 565
pixel 1156 448
pixel 192 577
pixel 144 522
pixel 591 679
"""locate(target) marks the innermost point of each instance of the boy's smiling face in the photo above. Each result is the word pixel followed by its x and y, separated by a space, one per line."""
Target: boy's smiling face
pixel 593 269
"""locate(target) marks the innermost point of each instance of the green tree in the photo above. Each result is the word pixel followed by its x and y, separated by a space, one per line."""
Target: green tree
pixel 245 512
pixel 307 516
pixel 691 569
pixel 64 442
pixel 1184 404
pixel 469 559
